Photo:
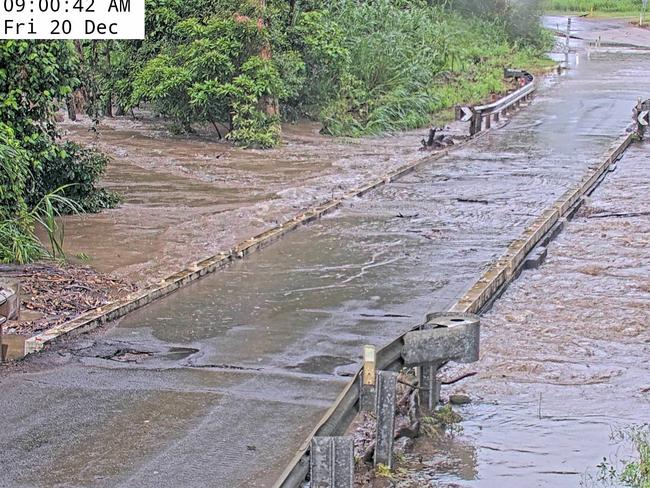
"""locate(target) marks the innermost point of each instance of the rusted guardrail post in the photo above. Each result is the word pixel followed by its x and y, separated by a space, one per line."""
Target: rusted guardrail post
pixel 331 462
pixel 476 124
pixel 429 386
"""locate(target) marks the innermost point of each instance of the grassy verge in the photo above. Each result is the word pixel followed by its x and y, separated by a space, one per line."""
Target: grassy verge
pixel 596 14
pixel 476 93
pixel 604 8
pixel 403 67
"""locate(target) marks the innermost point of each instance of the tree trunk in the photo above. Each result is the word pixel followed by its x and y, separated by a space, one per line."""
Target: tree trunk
pixel 79 98
pixel 108 110
pixel 267 104
pixel 214 124
pixel 69 103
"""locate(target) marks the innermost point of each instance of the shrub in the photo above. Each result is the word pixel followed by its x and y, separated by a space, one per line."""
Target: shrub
pixel 14 171
pixel 74 170
pixel 38 176
pixel 18 242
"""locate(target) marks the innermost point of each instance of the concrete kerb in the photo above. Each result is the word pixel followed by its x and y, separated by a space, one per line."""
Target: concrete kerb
pixel 506 267
pixel 487 288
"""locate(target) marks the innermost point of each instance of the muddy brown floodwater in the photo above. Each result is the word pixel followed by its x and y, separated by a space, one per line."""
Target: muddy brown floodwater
pixel 187 198
pixel 564 354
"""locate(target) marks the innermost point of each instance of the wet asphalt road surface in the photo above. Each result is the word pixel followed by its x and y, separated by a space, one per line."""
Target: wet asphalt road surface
pixel 218 384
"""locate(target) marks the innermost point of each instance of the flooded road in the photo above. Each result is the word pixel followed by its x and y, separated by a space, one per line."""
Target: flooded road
pixel 191 197
pixel 565 353
pixel 620 32
pixel 218 384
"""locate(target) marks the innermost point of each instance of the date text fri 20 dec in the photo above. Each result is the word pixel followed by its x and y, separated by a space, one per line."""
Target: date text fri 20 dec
pixel 61 25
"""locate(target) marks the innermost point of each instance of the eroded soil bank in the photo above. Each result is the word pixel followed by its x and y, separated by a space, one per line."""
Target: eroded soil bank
pixel 564 355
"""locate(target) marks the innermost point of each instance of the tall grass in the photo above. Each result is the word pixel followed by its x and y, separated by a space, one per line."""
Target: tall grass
pixel 626 6
pixel 18 240
pixel 407 62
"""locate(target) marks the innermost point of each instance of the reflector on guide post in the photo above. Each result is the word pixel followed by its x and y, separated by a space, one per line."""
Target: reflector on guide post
pixel 644 117
pixel 466 114
pixel 369 365
pixel 368 400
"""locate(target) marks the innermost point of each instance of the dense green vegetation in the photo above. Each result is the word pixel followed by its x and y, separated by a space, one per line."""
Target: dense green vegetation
pixel 240 67
pixel 38 174
pixel 634 472
pixel 358 67
pixel 626 6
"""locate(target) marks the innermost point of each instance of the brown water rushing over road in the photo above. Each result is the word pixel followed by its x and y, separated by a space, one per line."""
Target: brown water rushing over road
pixel 565 359
pixel 187 198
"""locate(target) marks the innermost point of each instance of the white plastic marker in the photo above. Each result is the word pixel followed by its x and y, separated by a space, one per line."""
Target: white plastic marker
pixel 71 19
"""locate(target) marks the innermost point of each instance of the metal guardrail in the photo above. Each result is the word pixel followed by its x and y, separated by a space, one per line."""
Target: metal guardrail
pixel 483 114
pixel 339 417
pixel 641 117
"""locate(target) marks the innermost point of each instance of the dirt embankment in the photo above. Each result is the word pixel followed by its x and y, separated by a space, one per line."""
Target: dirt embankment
pixel 52 294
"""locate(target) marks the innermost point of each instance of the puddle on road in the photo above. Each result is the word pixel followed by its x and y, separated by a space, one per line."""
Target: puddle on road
pixel 323 365
pixel 564 361
pixel 123 352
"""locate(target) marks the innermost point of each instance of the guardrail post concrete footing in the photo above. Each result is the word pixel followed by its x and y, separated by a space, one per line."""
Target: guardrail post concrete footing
pixel 331 462
pixel 386 398
pixel 429 386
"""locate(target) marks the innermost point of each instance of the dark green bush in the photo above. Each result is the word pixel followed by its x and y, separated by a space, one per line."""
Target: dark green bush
pixel 77 169
pixel 34 77
pixel 14 172
pixel 359 67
